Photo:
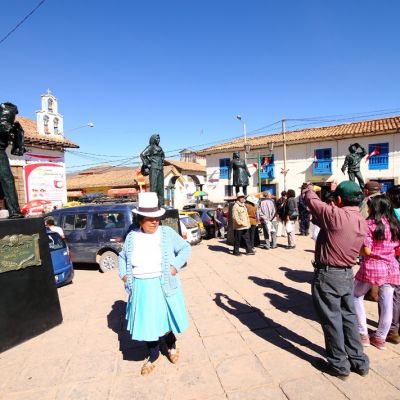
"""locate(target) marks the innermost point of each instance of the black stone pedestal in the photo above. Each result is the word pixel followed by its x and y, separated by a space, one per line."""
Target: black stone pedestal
pixel 29 302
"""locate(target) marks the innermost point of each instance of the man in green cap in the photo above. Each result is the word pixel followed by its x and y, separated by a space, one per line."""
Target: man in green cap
pixel 337 246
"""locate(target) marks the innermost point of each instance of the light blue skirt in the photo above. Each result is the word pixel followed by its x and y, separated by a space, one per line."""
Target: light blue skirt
pixel 150 314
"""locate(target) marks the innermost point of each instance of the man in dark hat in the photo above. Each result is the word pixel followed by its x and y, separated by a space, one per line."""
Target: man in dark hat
pixel 9 127
pixel 371 189
pixel 337 246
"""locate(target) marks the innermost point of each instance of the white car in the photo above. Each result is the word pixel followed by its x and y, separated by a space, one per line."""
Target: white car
pixel 190 229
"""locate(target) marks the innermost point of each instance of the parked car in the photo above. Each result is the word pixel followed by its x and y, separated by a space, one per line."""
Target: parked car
pixel 196 216
pixel 207 217
pixel 61 259
pixel 190 229
pixel 95 232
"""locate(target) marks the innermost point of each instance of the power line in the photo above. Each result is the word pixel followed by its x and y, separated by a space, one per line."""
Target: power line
pixel 21 22
pixel 125 160
pixel 347 116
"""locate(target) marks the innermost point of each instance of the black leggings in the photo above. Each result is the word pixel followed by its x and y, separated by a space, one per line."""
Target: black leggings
pixel 154 347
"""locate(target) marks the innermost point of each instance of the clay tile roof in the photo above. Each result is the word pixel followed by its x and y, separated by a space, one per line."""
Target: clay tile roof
pixel 355 129
pixel 186 166
pixel 32 137
pixel 105 175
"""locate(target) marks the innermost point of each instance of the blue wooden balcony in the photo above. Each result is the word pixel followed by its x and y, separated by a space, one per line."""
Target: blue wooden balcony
pixel 379 162
pixel 223 172
pixel 268 172
pixel 322 167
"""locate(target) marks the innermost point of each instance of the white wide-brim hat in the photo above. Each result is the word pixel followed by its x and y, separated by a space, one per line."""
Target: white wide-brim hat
pixel 252 200
pixel 148 205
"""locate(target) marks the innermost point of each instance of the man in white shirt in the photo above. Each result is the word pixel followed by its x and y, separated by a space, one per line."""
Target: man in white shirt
pixel 50 225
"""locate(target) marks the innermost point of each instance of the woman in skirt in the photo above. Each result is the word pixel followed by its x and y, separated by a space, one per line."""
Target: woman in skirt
pixel 148 265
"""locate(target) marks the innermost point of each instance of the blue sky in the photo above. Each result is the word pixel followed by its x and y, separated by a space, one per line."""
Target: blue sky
pixel 186 68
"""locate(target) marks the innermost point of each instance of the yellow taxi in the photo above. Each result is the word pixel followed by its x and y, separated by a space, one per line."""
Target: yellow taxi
pixel 195 215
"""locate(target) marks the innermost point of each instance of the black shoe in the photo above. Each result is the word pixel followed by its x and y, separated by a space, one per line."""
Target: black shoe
pixel 250 253
pixel 237 254
pixel 265 248
pixel 290 247
pixel 324 367
pixel 360 372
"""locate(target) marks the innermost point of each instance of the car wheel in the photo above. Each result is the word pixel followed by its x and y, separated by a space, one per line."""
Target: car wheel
pixel 108 261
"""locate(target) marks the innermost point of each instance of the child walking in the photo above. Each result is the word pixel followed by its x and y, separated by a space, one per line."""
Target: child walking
pixel 379 267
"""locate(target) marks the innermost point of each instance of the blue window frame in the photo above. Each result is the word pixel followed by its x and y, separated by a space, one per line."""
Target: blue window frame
pixel 267 167
pixel 224 168
pixel 378 156
pixel 322 164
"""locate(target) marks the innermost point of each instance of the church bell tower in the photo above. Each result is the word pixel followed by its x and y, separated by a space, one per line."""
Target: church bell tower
pixel 48 120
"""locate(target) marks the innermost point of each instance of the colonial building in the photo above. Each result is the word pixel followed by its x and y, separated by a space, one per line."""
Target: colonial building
pixel 315 154
pixel 40 173
pixel 181 180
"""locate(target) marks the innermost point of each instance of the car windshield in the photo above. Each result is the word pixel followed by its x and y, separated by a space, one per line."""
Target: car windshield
pixel 195 216
pixel 188 222
pixel 56 242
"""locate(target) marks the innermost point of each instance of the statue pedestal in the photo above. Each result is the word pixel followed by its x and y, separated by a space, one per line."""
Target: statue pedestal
pixel 29 303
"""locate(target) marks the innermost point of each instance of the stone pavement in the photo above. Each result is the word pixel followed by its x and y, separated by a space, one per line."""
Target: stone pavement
pixel 253 335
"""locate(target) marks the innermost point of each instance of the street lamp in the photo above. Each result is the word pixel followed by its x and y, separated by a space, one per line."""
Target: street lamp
pixel 88 125
pixel 246 146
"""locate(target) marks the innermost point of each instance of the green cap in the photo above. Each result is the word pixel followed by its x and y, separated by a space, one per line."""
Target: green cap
pixel 347 189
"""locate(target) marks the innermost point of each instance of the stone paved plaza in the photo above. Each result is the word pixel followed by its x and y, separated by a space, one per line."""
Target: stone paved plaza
pixel 253 335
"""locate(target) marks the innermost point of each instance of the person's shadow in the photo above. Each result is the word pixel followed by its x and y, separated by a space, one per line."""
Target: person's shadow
pixel 218 248
pixel 290 299
pixel 277 335
pixel 131 350
pixel 296 275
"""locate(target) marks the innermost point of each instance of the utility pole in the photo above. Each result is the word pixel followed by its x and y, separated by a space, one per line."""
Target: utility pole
pixel 245 142
pixel 284 153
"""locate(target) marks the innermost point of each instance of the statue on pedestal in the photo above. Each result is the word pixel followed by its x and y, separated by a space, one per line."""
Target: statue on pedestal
pixel 153 166
pixel 10 131
pixel 241 173
pixel 352 163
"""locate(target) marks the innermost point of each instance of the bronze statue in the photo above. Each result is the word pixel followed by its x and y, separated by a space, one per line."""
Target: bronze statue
pixel 10 130
pixel 241 173
pixel 352 163
pixel 153 165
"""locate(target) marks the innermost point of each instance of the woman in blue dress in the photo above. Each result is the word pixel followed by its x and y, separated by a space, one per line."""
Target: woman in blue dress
pixel 149 265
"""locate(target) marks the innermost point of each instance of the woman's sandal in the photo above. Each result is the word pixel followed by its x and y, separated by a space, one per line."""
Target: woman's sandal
pixel 173 355
pixel 148 366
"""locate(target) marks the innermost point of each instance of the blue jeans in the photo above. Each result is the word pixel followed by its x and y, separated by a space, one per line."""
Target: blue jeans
pixel 332 292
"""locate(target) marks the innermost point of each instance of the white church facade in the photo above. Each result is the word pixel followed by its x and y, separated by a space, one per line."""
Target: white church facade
pixel 40 174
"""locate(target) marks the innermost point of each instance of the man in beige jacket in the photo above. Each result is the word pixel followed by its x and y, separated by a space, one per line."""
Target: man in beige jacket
pixel 241 225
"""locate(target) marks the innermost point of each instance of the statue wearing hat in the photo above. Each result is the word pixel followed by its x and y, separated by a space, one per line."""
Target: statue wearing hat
pixel 10 131
pixel 352 163
pixel 240 171
pixel 153 166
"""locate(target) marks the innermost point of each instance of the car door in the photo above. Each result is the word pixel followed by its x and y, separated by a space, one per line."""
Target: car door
pixel 75 226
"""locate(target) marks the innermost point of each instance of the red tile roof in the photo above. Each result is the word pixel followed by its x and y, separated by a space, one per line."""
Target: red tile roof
pixel 186 166
pixel 354 129
pixel 32 136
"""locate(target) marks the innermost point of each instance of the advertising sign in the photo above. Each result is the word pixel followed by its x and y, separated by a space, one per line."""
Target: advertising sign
pixel 45 181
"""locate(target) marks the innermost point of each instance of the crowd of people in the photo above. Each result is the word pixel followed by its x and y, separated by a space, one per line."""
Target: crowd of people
pixel 351 225
pixel 273 217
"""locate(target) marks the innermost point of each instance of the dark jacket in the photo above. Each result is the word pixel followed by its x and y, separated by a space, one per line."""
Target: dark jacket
pixel 290 208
